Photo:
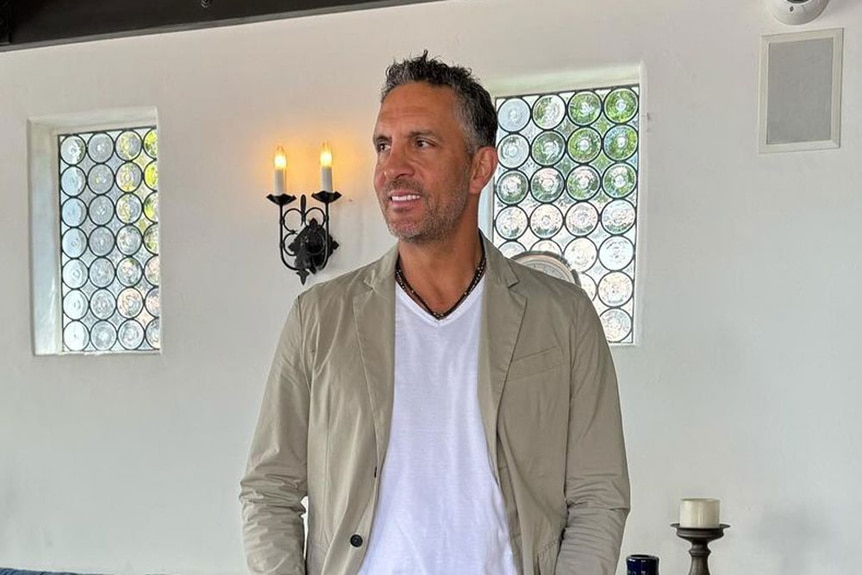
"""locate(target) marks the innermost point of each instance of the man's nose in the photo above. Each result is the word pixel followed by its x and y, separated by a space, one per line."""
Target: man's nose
pixel 396 163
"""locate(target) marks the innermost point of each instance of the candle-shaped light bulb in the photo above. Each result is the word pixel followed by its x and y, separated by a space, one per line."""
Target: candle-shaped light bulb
pixel 280 164
pixel 325 168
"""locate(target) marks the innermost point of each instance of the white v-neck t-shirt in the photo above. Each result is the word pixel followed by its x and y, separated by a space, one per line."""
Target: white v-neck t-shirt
pixel 439 510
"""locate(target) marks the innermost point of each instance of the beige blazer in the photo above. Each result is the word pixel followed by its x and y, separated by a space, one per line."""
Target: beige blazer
pixel 550 410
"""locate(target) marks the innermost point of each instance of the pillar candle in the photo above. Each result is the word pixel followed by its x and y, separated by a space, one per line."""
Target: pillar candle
pixel 325 168
pixel 699 513
pixel 280 163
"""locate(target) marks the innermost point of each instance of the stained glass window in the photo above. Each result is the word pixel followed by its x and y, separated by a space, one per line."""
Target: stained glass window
pixel 109 240
pixel 567 184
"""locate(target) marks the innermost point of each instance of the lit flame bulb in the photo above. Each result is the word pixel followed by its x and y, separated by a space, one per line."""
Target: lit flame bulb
pixel 280 159
pixel 325 156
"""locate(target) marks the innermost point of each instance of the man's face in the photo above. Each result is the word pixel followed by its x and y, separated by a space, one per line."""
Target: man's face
pixel 424 176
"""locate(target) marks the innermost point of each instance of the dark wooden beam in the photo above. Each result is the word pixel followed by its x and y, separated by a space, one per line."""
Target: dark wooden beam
pixel 5 22
pixel 45 22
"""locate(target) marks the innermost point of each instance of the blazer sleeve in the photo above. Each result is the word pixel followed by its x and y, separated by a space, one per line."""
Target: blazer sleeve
pixel 597 481
pixel 275 482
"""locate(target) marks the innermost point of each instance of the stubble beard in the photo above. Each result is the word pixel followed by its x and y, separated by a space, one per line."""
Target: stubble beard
pixel 439 221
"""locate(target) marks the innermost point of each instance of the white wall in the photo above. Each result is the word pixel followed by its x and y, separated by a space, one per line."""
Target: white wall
pixel 746 383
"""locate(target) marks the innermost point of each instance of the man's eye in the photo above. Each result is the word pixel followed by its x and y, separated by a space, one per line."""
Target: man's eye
pixel 381 147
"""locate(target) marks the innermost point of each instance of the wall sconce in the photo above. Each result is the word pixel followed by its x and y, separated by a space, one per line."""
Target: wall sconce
pixel 303 237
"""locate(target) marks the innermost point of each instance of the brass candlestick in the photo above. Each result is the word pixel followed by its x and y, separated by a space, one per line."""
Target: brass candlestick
pixel 699 537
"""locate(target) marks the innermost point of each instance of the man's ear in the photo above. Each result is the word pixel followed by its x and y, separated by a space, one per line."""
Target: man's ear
pixel 482 168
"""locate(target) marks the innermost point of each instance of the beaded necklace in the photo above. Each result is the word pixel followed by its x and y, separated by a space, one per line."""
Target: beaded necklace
pixel 405 285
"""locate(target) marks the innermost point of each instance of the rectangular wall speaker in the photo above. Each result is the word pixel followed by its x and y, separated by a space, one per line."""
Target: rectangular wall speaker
pixel 800 91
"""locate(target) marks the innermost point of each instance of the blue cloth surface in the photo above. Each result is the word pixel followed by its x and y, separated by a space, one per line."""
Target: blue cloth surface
pixel 6 571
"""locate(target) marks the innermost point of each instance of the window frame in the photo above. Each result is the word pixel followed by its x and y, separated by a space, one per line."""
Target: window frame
pixel 592 79
pixel 43 160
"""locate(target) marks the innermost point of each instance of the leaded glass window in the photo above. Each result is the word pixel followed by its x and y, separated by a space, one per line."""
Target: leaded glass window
pixel 567 184
pixel 109 240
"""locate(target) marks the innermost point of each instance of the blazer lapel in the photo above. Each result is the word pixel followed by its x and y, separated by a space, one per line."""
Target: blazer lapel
pixel 374 313
pixel 504 310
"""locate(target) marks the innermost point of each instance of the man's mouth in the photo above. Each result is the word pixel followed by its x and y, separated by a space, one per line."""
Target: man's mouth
pixel 403 191
pixel 398 198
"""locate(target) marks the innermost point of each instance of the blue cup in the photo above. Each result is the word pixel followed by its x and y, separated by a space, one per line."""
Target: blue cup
pixel 642 565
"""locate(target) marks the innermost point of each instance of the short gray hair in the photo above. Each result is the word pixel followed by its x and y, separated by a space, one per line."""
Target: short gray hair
pixel 476 110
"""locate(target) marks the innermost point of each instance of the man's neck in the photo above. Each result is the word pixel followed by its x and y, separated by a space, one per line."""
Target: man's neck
pixel 440 272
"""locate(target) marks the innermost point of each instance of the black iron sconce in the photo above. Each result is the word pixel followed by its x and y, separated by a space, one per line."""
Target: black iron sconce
pixel 304 242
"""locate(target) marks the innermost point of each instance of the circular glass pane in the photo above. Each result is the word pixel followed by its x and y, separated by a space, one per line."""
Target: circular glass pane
pixel 621 142
pixel 546 185
pixel 547 246
pixel 582 219
pixel 75 336
pixel 72 181
pixel 129 177
pixel 512 187
pixel 104 335
pixel 617 324
pixel 72 150
pixel 100 147
pixel 546 221
pixel 129 271
pixel 615 289
pixel 151 239
pixel 75 305
pixel 154 334
pixel 513 150
pixel 129 208
pixel 131 334
pixel 151 207
pixel 584 145
pixel 618 217
pixel 73 212
pixel 513 114
pixel 584 108
pixel 511 249
pixel 548 111
pixel 616 252
pixel 151 176
pixel 621 105
pixel 581 254
pixel 619 180
pixel 153 302
pixel 74 273
pixel 582 183
pixel 151 144
pixel 130 302
pixel 101 272
pixel 548 148
pixel 129 240
pixel 511 222
pixel 151 270
pixel 129 145
pixel 588 285
pixel 101 241
pixel 103 303
pixel 100 178
pixel 101 210
pixel 74 243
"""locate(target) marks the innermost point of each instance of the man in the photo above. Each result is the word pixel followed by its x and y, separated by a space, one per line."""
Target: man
pixel 445 410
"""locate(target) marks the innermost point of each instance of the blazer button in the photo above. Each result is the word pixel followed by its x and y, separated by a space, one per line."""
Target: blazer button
pixel 356 540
